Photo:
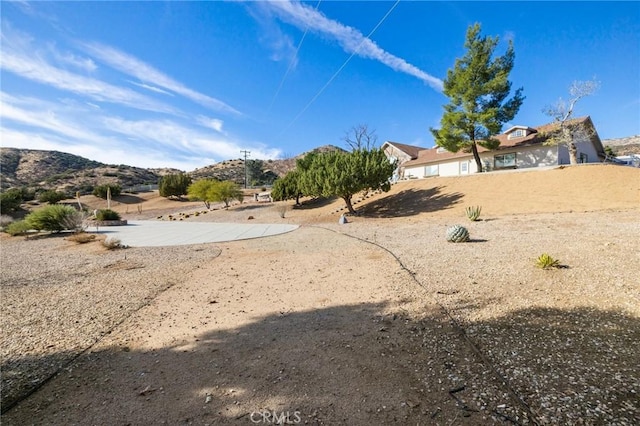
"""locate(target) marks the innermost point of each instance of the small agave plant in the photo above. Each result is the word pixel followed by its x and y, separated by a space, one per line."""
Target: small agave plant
pixel 457 234
pixel 544 261
pixel 473 213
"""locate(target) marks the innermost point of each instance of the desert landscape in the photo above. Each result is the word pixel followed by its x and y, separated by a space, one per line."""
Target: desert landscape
pixel 376 321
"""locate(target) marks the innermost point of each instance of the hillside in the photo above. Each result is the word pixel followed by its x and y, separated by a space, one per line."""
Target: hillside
pixel 67 172
pixel 582 188
pixel 259 172
pixel 70 173
pixel 624 146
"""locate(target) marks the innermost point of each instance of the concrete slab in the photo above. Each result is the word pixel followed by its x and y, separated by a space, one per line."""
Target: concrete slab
pixel 150 233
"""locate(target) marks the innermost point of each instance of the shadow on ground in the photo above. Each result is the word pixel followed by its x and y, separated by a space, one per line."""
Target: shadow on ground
pixel 410 202
pixel 354 365
pixel 128 199
pixel 315 203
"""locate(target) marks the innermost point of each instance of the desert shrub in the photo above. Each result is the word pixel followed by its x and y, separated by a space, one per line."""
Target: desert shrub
pixel 111 243
pixel 19 227
pixel 544 261
pixel 76 222
pixel 282 210
pixel 51 196
pixel 5 220
pixel 54 218
pixel 10 200
pixel 107 214
pixel 82 238
pixel 101 190
pixel 473 213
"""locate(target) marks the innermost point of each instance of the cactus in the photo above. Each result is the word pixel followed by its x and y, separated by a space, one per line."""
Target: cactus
pixel 457 234
pixel 473 213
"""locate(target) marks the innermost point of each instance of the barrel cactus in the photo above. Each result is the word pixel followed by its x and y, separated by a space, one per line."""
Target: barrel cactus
pixel 457 234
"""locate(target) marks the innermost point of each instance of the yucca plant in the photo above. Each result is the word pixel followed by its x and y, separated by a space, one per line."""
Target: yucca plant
pixel 544 261
pixel 473 213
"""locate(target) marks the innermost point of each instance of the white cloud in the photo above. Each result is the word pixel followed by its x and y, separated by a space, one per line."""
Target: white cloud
pixel 189 140
pixel 20 57
pixel 80 129
pixel 351 40
pixel 132 66
pixel 85 64
pixel 152 88
pixel 212 123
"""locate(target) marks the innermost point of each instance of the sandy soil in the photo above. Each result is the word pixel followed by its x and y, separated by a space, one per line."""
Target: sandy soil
pixel 379 321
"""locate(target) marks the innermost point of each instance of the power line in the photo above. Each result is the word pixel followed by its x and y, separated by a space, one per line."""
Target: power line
pixel 339 70
pixel 293 59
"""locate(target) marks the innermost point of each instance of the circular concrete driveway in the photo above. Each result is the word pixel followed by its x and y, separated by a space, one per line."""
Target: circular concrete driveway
pixel 150 233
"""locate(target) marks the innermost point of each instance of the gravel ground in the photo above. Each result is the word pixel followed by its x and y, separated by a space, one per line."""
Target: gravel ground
pixel 565 340
pixel 59 298
pixel 467 333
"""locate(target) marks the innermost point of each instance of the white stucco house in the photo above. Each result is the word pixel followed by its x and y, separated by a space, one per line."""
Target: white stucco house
pixel 520 147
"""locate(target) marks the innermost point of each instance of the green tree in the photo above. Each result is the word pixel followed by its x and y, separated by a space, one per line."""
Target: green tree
pixel 477 88
pixel 287 187
pixel 609 152
pixel 10 200
pixel 200 191
pixel 344 174
pixel 174 185
pixel 51 197
pixel 101 190
pixel 209 190
pixel 254 172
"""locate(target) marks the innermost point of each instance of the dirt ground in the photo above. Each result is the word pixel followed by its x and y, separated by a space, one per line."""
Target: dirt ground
pixel 378 321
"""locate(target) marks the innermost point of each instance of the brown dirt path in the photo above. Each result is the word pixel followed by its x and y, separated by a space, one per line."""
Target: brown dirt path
pixel 273 327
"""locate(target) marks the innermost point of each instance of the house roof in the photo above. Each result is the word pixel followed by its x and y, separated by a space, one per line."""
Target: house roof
pixel 535 136
pixel 410 150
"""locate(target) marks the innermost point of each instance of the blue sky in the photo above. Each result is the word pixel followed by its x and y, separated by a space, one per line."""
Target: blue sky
pixel 188 84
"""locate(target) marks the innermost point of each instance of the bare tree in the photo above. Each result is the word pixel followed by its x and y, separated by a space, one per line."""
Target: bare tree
pixel 570 131
pixel 360 137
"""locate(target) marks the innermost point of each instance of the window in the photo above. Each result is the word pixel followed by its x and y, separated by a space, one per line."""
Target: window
pixel 504 161
pixel 464 167
pixel 583 158
pixel 518 133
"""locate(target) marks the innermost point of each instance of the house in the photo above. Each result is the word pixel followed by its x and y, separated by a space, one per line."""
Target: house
pixel 401 153
pixel 520 147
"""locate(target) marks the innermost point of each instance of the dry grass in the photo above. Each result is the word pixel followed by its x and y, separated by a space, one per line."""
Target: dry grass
pixel 82 237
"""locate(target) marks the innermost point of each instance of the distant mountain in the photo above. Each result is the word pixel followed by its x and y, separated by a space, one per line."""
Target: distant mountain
pixel 262 171
pixel 624 146
pixel 70 173
pixel 67 172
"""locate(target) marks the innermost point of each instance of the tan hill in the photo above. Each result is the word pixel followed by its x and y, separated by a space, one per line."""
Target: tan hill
pixel 66 172
pixel 259 172
pixel 69 173
pixel 624 146
pixel 582 188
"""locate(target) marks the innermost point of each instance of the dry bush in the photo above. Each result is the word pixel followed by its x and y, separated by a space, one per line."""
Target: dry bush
pixel 282 209
pixel 112 243
pixel 82 238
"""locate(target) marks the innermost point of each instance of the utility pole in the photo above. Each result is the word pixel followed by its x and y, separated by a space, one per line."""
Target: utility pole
pixel 245 166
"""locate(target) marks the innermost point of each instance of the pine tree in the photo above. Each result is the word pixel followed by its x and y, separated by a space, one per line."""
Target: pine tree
pixel 174 185
pixel 477 88
pixel 344 174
